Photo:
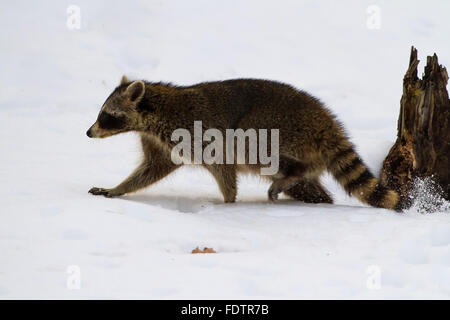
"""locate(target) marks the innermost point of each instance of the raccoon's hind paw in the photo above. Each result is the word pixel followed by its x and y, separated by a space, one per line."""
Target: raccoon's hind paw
pixel 281 185
pixel 273 193
pixel 103 192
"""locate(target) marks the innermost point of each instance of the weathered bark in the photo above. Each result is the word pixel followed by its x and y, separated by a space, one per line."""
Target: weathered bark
pixel 422 148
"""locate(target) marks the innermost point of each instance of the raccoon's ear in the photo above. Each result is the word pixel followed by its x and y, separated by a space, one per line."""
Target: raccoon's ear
pixel 124 79
pixel 135 91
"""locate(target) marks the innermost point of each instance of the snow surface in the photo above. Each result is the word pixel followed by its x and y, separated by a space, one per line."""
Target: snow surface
pixel 53 81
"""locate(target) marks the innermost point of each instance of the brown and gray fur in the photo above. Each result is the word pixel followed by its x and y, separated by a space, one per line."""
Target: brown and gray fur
pixel 311 139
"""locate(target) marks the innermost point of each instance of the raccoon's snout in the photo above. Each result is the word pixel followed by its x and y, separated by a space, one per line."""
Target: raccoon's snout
pixel 96 132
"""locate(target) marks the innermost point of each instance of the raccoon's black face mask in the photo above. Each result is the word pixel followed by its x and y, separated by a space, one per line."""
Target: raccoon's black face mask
pixel 111 122
pixel 119 112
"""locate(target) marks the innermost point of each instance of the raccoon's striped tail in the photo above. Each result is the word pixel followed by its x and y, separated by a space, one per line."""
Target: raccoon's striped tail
pixel 351 172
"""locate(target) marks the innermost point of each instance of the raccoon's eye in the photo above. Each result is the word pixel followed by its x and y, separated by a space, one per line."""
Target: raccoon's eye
pixel 107 121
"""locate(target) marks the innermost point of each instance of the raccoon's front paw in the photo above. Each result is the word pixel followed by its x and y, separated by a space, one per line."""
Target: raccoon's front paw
pixel 109 193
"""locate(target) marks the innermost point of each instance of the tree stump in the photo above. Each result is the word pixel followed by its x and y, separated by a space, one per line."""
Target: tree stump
pixel 422 149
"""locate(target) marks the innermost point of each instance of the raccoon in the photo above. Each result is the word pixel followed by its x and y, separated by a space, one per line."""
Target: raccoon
pixel 311 140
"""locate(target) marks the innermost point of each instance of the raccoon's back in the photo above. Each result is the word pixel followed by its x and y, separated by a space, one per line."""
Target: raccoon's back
pixel 238 98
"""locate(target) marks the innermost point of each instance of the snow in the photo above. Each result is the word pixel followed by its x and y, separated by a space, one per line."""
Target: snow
pixel 54 80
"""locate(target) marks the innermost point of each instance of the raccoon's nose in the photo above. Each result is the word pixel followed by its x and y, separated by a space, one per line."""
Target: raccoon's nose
pixel 88 133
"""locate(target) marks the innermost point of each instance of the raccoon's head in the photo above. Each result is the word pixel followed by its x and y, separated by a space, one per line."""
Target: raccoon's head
pixel 119 112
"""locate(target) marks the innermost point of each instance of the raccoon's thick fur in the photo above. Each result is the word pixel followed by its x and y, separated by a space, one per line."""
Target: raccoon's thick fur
pixel 311 140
